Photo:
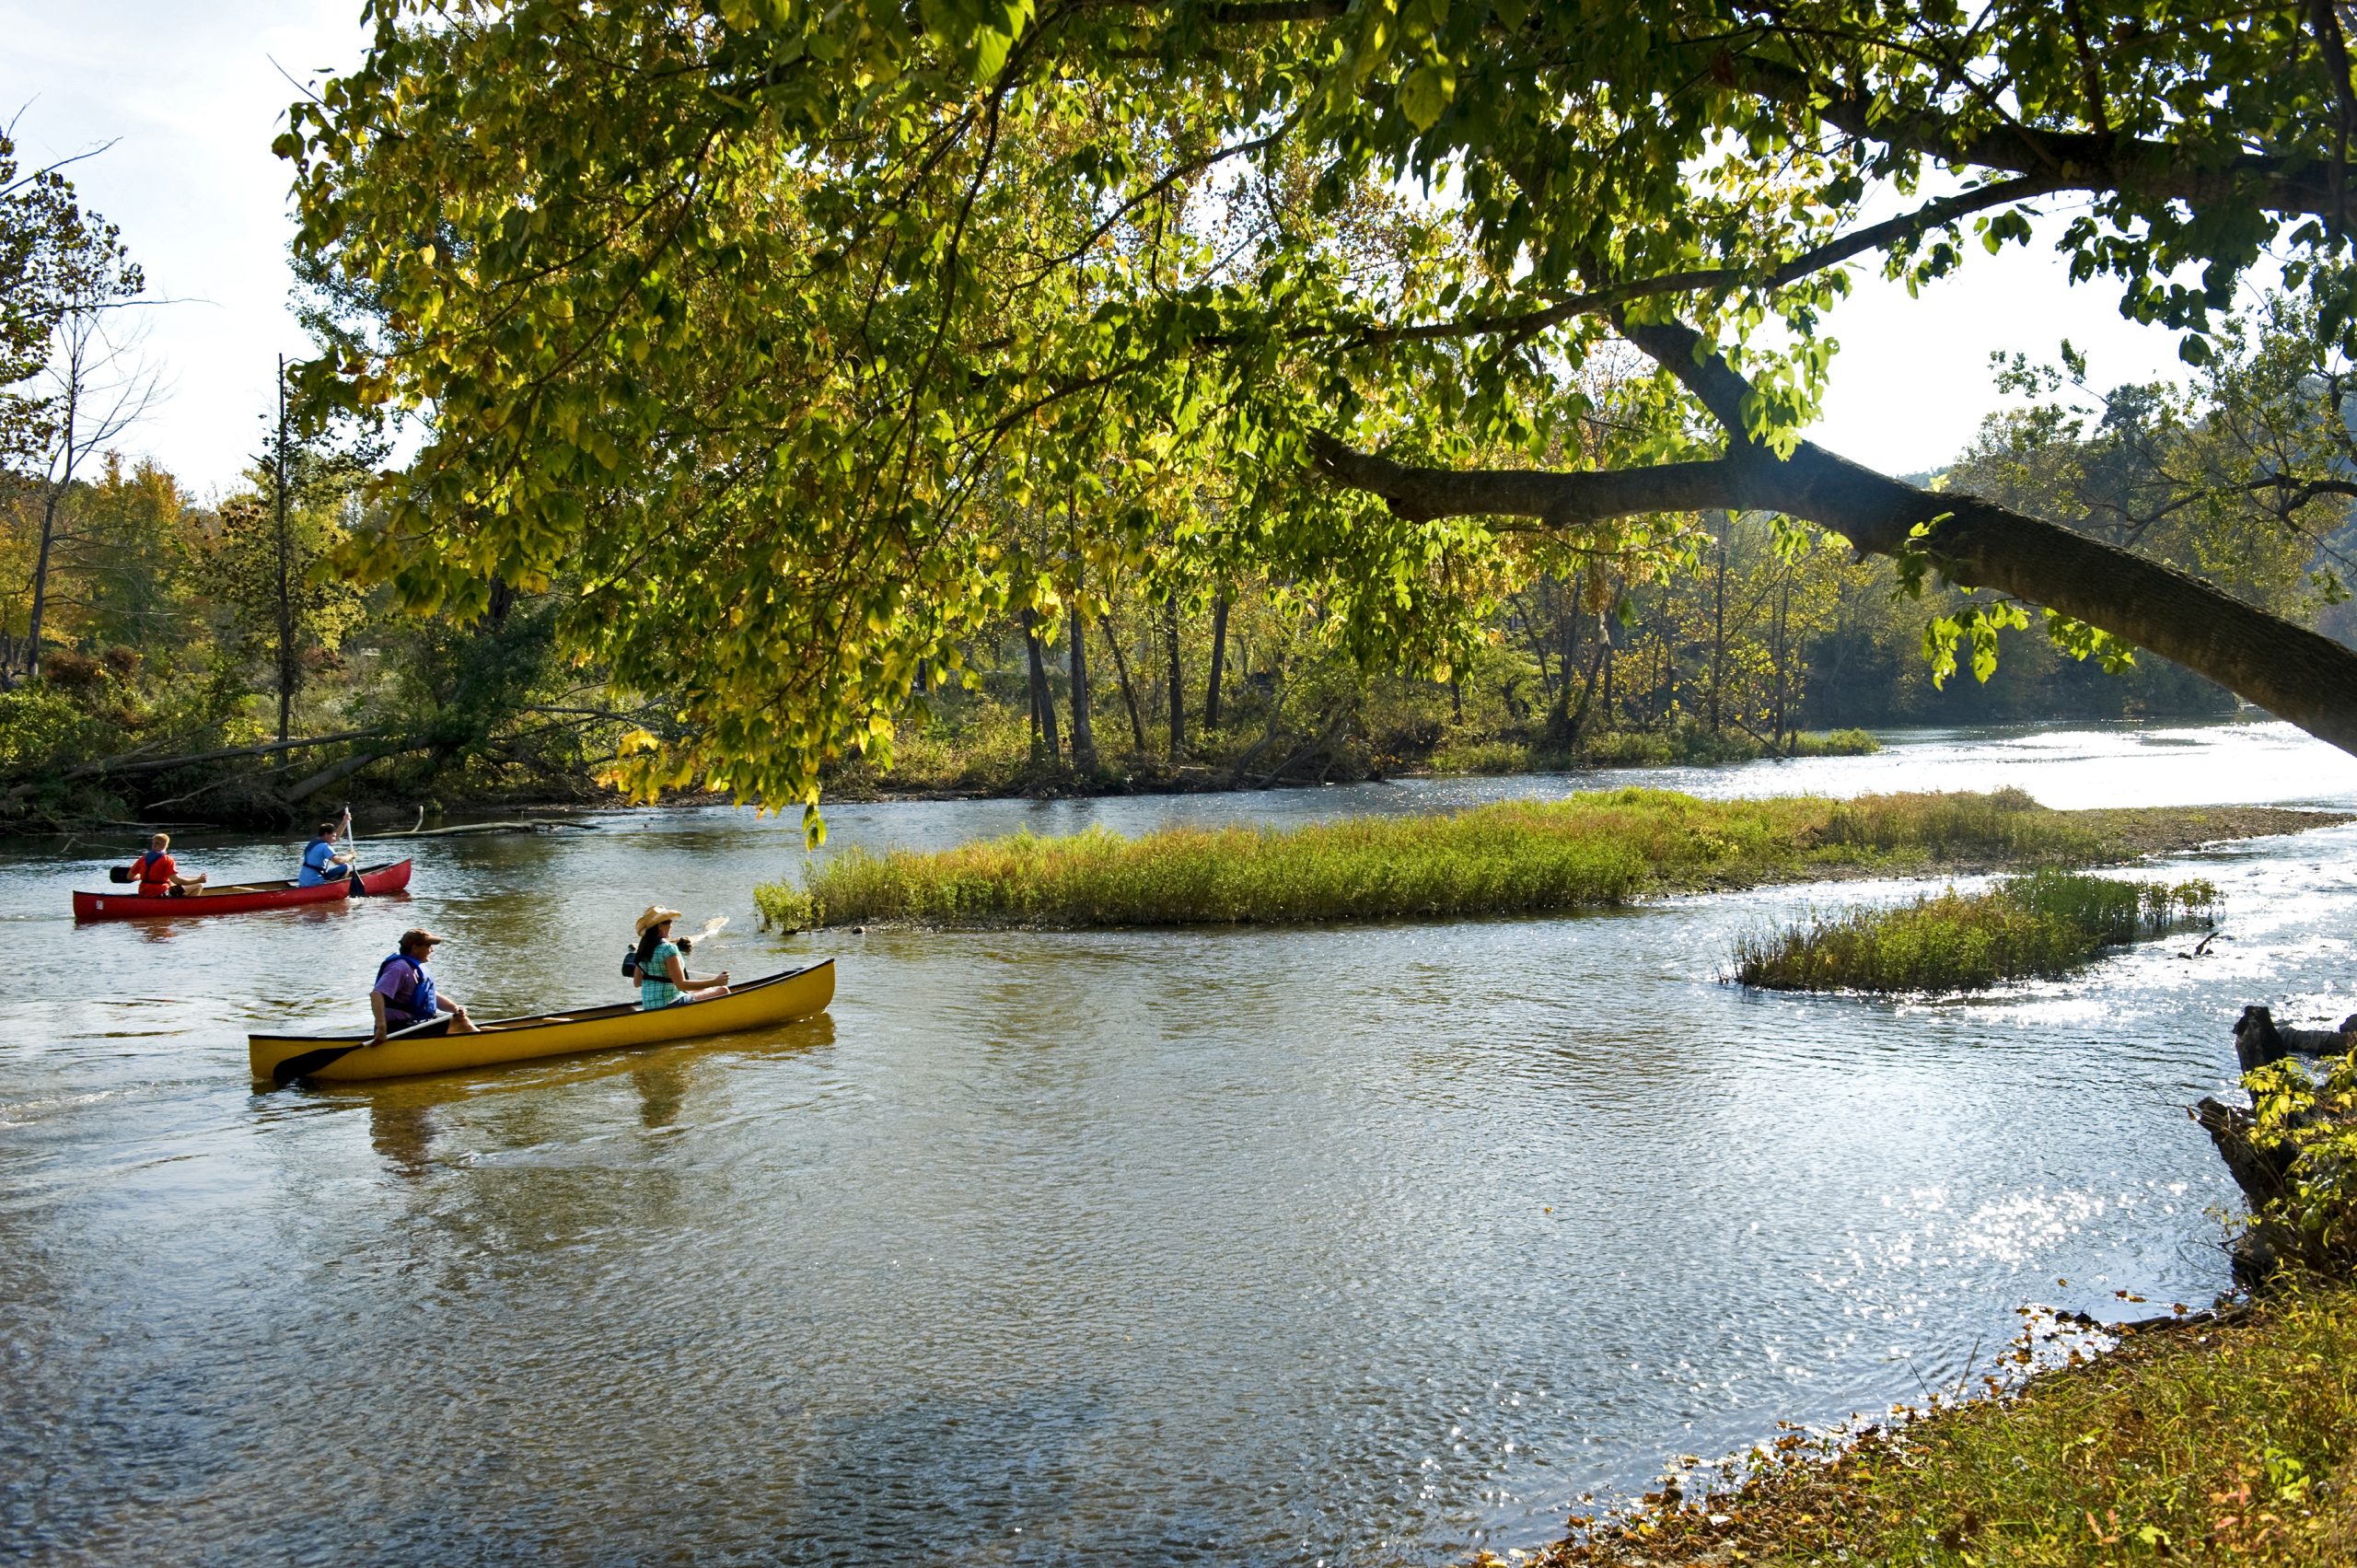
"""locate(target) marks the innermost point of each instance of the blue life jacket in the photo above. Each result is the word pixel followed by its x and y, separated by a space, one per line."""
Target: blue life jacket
pixel 630 962
pixel 420 1005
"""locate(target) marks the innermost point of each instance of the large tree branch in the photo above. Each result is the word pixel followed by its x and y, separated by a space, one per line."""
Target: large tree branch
pixel 1557 500
pixel 2201 177
pixel 2292 672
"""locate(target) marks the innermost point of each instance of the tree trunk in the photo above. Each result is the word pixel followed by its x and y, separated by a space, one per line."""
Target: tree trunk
pixel 1178 682
pixel 1084 726
pixel 1718 625
pixel 1219 660
pixel 1043 702
pixel 1779 650
pixel 50 503
pixel 290 668
pixel 1129 693
pixel 1606 693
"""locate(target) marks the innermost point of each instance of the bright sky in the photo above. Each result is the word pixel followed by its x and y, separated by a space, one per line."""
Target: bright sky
pixel 191 98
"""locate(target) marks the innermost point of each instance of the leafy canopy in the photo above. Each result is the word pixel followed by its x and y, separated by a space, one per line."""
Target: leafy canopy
pixel 778 328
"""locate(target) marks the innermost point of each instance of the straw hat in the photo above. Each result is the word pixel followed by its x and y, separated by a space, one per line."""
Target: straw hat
pixel 655 915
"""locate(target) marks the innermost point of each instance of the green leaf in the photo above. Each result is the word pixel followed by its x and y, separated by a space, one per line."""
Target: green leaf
pixel 1423 93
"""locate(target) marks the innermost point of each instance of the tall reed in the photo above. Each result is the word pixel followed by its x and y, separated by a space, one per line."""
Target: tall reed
pixel 2042 926
pixel 1513 857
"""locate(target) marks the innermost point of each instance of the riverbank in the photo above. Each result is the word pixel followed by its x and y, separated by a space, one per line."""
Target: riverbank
pixel 2223 1440
pixel 1509 858
pixel 994 762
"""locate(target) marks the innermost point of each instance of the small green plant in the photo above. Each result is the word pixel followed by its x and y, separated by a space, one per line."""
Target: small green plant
pixel 2307 1124
pixel 2040 925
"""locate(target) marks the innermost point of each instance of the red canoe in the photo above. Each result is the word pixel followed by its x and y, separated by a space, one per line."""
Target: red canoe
pixel 239 897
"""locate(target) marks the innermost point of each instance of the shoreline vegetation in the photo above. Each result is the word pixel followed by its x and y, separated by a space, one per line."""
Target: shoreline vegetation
pixel 989 755
pixel 2231 1438
pixel 2041 925
pixel 1514 857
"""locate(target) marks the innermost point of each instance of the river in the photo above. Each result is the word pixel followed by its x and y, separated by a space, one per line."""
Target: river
pixel 1355 1245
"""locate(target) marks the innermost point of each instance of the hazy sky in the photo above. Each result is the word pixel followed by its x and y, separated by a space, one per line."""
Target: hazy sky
pixel 191 93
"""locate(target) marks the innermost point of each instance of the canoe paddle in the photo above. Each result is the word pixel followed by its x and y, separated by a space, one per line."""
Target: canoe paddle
pixel 359 889
pixel 310 1062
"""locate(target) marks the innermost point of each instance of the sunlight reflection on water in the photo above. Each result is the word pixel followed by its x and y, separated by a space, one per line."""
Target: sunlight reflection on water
pixel 1366 1244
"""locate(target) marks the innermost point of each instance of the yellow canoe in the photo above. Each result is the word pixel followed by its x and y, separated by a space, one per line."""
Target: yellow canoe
pixel 427 1048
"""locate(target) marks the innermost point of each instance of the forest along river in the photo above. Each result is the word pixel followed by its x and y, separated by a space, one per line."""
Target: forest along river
pixel 1360 1245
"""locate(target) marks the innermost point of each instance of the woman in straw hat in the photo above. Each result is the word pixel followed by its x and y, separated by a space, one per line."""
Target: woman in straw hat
pixel 663 978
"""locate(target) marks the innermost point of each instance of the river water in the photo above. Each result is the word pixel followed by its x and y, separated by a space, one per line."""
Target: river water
pixel 1358 1245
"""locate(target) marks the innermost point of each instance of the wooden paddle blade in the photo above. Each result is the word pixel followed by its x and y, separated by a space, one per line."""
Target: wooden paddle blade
pixel 310 1062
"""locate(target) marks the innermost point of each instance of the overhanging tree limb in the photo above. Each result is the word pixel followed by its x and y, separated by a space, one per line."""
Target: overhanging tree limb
pixel 2292 672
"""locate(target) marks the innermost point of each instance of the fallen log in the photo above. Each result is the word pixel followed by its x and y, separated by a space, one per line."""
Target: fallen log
pixel 481 828
pixel 2258 1040
pixel 334 772
pixel 118 766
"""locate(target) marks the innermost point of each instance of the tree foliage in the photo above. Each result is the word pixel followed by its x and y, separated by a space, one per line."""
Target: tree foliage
pixel 781 324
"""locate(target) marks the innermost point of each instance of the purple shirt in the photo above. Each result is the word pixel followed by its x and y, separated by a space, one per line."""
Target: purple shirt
pixel 397 983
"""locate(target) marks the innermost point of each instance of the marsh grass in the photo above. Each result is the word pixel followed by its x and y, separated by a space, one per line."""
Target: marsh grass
pixel 2207 1443
pixel 1513 857
pixel 2042 926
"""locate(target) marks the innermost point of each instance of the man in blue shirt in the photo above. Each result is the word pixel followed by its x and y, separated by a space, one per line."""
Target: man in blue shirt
pixel 322 862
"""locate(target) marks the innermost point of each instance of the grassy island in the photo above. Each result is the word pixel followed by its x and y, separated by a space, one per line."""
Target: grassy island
pixel 2213 1443
pixel 2041 925
pixel 1514 857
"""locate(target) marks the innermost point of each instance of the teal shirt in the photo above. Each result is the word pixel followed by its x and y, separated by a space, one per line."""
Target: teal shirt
pixel 655 987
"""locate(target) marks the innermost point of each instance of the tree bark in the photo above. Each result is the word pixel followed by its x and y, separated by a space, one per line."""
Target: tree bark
pixel 1719 626
pixel 1177 681
pixel 290 664
pixel 1219 661
pixel 50 503
pixel 1129 693
pixel 1043 702
pixel 1084 726
pixel 2296 674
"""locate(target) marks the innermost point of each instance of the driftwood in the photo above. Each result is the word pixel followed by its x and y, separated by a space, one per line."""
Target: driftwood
pixel 481 828
pixel 2265 1174
pixel 2260 1041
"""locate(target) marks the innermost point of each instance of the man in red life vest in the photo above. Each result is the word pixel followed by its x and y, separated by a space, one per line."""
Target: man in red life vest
pixel 159 874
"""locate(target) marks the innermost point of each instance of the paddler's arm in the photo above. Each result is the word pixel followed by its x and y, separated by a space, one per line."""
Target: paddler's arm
pixel 377 1007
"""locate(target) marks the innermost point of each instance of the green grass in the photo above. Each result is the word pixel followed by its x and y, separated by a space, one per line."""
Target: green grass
pixel 1519 856
pixel 2209 1444
pixel 2042 926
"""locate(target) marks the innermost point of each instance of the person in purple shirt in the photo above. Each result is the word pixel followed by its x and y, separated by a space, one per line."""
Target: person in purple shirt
pixel 404 994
